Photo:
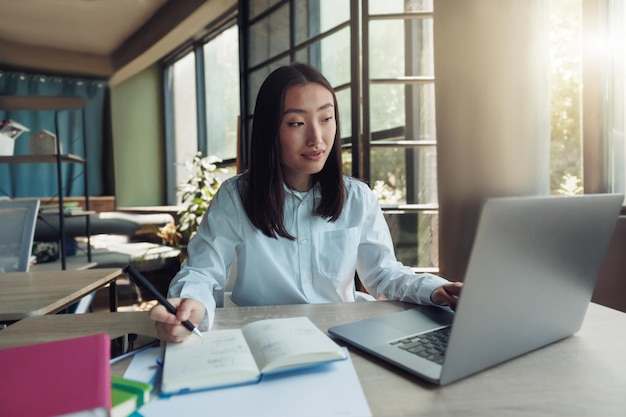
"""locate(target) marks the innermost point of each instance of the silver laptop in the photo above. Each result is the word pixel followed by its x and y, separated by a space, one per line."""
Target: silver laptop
pixel 532 271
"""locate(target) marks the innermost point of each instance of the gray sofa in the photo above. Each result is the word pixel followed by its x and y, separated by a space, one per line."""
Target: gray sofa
pixel 125 245
pixel 110 223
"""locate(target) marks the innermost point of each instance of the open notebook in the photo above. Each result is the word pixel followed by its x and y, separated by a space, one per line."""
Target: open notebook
pixel 230 357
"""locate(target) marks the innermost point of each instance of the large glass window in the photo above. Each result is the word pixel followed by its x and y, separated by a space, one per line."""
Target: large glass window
pixel 183 87
pixel 566 98
pixel 400 102
pixel 613 47
pixel 379 57
pixel 315 31
pixel 383 79
pixel 267 36
pixel 202 100
pixel 221 75
pixel 588 53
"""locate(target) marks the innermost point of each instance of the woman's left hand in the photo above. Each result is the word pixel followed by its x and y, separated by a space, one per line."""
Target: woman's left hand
pixel 447 294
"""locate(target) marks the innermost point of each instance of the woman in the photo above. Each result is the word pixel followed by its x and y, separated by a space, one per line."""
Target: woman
pixel 298 227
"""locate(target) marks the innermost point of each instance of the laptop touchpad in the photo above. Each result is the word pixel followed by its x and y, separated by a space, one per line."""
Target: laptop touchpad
pixel 418 319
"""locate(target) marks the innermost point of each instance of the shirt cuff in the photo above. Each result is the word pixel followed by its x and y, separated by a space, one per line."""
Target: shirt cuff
pixel 427 285
pixel 202 293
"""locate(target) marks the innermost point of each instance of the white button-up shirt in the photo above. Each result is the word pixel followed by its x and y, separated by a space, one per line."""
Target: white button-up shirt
pixel 317 267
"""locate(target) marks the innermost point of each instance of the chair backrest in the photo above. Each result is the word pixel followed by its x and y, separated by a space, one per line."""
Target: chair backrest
pixel 18 219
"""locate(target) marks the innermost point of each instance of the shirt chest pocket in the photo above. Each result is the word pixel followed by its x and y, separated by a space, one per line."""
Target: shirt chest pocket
pixel 337 252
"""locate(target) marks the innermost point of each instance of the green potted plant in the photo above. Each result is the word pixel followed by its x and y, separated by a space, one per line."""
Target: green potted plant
pixel 197 193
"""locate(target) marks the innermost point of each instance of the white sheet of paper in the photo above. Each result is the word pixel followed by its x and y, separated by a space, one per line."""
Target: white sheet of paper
pixel 329 390
pixel 143 367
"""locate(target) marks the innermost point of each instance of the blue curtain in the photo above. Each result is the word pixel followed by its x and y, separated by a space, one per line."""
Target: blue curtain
pixel 40 180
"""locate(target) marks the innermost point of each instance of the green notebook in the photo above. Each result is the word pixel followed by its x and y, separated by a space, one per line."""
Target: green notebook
pixel 128 395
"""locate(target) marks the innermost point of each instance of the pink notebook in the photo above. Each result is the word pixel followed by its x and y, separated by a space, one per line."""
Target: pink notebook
pixel 57 378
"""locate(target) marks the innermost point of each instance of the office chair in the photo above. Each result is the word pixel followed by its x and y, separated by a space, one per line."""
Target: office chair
pixel 18 218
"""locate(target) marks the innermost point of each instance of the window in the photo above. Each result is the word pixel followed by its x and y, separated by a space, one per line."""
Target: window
pixel 588 100
pixel 399 99
pixel 604 108
pixel 202 103
pixel 393 147
pixel 182 84
pixel 379 57
pixel 221 80
pixel 315 31
pixel 613 47
pixel 566 161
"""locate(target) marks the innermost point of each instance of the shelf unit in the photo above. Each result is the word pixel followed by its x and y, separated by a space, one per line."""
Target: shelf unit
pixel 21 159
pixel 56 104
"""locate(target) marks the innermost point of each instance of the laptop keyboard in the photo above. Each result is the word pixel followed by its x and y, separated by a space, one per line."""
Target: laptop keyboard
pixel 430 345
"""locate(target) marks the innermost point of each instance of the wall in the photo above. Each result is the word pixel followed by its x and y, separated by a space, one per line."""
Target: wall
pixel 138 142
pixel 611 288
pixel 493 113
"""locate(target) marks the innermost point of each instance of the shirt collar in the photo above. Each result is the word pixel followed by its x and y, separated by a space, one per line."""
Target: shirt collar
pixel 303 195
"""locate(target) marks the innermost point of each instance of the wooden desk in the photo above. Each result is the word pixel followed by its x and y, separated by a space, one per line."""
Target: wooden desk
pixel 25 294
pixel 39 329
pixel 581 375
pixel 71 264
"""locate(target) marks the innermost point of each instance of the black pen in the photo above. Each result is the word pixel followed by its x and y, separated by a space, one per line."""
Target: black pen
pixel 140 280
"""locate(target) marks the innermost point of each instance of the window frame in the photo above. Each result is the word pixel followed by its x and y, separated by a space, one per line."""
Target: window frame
pixel 396 138
pixel 227 21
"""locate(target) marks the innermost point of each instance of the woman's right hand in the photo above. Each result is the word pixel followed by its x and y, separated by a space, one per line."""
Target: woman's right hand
pixel 169 326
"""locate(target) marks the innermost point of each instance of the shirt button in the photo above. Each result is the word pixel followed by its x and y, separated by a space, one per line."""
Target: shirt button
pixel 303 241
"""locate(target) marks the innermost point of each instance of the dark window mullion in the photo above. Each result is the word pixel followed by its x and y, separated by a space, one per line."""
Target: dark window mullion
pixel 314 24
pixel 244 85
pixel 201 100
pixel 296 47
pixel 263 14
pixel 408 80
pixel 405 16
pixel 363 154
pixel 355 87
pixel 402 143
pixel 292 31
pixel 412 36
pixel 170 136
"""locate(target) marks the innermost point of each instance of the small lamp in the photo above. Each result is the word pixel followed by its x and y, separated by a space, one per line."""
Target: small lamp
pixel 9 131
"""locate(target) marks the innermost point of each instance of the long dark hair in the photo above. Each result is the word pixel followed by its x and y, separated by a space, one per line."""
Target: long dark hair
pixel 263 192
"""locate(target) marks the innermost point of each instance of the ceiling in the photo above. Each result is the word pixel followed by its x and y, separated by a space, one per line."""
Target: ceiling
pixel 93 26
pixel 96 37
